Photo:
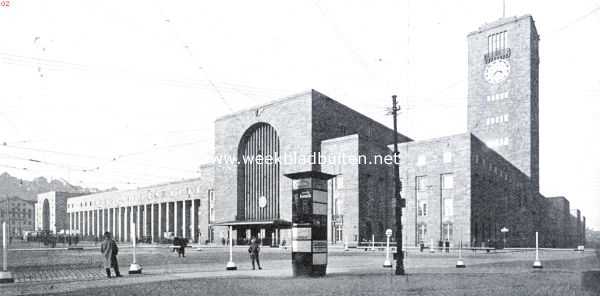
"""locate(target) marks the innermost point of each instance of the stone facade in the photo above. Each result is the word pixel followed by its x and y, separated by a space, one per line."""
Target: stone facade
pixel 20 216
pixel 304 124
pixel 505 114
pixel 430 202
pixel 177 208
pixel 51 211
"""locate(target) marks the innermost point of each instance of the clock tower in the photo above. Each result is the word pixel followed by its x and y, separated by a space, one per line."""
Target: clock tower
pixel 503 91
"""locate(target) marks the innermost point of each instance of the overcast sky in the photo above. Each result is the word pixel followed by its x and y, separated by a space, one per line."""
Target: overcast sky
pixel 125 93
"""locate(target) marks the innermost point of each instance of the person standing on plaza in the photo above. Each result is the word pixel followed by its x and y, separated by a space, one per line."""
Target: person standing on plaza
pixel 254 250
pixel 109 250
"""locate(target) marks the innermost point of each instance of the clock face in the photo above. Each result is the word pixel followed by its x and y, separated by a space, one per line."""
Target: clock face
pixel 262 201
pixel 497 71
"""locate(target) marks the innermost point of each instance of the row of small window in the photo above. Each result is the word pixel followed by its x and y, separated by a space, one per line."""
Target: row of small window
pixel 493 143
pixel 447 208
pixel 497 97
pixel 496 119
pixel 422 159
pixel 447 232
pixel 493 168
pixel 446 182
pixel 18 215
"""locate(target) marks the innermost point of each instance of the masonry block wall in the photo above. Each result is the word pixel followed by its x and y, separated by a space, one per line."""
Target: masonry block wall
pixel 377 204
pixel 344 187
pixel 291 117
pixel 502 197
pixel 332 119
pixel 423 167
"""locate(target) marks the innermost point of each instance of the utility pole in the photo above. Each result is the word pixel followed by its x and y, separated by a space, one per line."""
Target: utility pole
pixel 400 202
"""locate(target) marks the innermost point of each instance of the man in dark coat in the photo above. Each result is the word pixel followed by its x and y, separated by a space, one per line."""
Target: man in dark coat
pixel 182 243
pixel 109 250
pixel 254 250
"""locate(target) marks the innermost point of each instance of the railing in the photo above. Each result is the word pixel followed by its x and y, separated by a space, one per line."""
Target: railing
pixel 496 55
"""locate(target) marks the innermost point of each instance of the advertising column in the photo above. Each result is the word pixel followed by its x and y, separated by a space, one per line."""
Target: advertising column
pixel 309 223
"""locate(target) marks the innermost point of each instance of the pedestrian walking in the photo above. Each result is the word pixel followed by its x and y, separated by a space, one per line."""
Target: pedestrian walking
pixel 109 250
pixel 180 243
pixel 254 250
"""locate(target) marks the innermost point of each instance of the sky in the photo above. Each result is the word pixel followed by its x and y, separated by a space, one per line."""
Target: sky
pixel 125 93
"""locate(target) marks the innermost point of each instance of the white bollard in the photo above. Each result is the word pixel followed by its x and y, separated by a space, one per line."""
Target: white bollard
pixel 230 264
pixel 431 248
pixel 346 243
pixel 5 275
pixel 460 263
pixel 387 263
pixel 537 263
pixel 134 268
pixel 373 242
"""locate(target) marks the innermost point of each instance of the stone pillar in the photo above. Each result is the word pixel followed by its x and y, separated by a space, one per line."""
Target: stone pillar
pixel 184 227
pixel 131 231
pixel 83 221
pixel 124 223
pixel 145 229
pixel 70 223
pixel 193 221
pixel 152 221
pixel 176 218
pixel 168 219
pixel 138 225
pixel 101 229
pixel 113 220
pixel 160 217
pixel 119 224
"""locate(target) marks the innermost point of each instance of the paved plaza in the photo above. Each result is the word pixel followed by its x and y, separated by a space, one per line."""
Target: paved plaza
pixel 356 272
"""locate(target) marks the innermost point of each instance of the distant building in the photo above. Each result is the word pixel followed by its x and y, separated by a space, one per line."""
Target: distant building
pixel 51 211
pixel 181 208
pixel 20 216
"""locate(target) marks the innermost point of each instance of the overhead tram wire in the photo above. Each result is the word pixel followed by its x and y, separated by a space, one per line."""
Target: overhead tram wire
pixel 71 169
pixel 97 157
pixel 107 161
pixel 52 64
pixel 202 69
pixel 576 20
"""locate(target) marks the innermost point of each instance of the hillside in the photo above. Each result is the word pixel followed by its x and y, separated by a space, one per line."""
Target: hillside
pixel 25 189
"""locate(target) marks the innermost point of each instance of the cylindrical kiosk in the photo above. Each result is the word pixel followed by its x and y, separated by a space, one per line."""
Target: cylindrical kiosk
pixel 309 223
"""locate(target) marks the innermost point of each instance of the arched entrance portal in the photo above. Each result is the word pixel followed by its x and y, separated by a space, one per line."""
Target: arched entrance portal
pixel 46 215
pixel 258 184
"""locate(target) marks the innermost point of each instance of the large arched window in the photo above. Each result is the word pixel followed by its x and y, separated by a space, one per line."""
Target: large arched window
pixel 258 174
pixel 46 215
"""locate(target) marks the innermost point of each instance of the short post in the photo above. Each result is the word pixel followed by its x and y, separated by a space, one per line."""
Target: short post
pixel 504 230
pixel 346 243
pixel 372 242
pixel 230 264
pixel 387 263
pixel 431 248
pixel 134 268
pixel 460 263
pixel 537 263
pixel 5 275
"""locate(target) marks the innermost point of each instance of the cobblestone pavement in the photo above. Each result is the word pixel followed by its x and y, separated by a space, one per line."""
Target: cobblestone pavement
pixel 356 272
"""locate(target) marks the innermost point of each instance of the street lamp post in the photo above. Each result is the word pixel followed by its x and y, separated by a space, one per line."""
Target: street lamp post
pixel 387 263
